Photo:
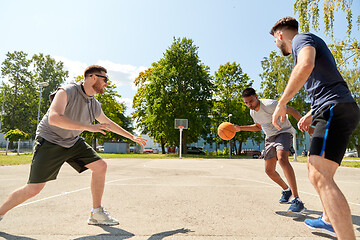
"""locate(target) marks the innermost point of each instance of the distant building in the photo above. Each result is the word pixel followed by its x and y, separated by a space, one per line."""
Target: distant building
pixel 116 147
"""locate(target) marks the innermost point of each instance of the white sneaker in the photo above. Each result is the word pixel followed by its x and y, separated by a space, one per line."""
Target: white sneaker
pixel 102 218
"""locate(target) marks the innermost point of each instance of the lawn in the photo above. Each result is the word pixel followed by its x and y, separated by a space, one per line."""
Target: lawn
pixel 26 158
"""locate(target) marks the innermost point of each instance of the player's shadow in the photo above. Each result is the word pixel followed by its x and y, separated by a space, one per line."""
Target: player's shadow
pixel 312 214
pixel 14 237
pixel 121 234
pixel 113 233
pixel 162 235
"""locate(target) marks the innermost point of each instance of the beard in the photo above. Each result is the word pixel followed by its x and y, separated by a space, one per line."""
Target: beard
pixel 98 87
pixel 283 50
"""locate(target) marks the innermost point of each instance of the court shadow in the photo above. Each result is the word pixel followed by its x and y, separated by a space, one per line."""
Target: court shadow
pixel 113 233
pixel 14 237
pixel 162 235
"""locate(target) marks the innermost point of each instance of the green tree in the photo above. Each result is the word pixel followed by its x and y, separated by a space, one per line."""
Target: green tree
pixel 177 86
pixel 309 12
pixel 16 134
pixel 21 91
pixel 46 69
pixel 230 81
pixel 352 78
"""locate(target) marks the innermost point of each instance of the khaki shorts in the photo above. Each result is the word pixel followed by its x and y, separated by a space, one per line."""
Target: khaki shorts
pixel 282 141
pixel 48 159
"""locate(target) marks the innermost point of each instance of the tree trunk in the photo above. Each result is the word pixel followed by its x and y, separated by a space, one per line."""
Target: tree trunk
pixel 162 145
pixel 240 147
pixel 94 143
pixel 358 150
pixel 235 148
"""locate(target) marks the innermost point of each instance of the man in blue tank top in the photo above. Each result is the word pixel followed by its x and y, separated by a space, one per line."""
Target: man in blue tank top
pixel 334 113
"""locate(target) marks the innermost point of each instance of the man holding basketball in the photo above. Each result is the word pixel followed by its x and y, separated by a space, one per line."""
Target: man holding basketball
pixel 73 110
pixel 278 144
pixel 334 113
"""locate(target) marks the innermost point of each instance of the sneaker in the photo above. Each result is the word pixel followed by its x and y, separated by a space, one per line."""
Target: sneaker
pixel 296 206
pixel 286 195
pixel 320 225
pixel 102 218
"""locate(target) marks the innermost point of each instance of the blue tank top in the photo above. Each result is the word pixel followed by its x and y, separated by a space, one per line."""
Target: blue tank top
pixel 325 84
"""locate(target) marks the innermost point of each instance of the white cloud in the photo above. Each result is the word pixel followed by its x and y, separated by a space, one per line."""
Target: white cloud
pixel 120 74
pixel 75 68
pixel 127 101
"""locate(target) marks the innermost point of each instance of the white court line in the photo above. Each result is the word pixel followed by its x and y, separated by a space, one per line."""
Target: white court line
pixel 78 190
pixel 242 179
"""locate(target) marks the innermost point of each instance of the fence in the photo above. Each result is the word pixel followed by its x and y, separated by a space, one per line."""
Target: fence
pixel 17 147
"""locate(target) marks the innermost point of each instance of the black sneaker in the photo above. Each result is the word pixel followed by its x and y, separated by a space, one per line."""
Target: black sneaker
pixel 286 195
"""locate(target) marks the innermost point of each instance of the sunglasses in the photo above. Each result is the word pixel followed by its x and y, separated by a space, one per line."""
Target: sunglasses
pixel 105 77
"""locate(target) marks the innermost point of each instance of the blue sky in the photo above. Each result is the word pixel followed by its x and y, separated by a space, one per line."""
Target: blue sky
pixel 126 37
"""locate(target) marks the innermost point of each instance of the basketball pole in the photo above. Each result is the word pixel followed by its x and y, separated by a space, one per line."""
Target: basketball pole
pixel 180 147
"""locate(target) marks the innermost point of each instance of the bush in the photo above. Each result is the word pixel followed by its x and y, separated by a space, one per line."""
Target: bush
pixel 16 134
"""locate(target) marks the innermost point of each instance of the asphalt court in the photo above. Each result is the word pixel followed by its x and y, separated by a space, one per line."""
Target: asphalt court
pixel 183 199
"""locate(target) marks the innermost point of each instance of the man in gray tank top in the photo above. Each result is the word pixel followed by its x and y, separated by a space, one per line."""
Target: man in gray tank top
pixel 73 110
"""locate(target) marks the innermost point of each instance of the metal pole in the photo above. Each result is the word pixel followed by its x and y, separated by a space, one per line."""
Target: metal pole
pixel 230 140
pixel 18 150
pixel 294 144
pixel 180 147
pixel 37 122
pixel 2 108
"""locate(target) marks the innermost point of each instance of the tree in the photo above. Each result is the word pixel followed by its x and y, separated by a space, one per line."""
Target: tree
pixel 309 15
pixel 16 134
pixel 21 94
pixel 352 78
pixel 46 69
pixel 230 81
pixel 177 86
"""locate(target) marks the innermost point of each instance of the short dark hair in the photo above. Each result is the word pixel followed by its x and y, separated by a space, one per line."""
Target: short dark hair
pixel 94 69
pixel 248 92
pixel 287 23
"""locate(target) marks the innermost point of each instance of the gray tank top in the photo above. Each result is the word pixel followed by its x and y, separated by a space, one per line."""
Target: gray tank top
pixel 80 107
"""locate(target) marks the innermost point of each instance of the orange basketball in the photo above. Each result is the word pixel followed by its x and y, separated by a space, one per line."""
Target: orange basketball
pixel 226 131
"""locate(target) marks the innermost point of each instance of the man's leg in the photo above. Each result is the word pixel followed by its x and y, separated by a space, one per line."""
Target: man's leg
pixel 99 216
pixel 20 195
pixel 283 158
pixel 270 169
pixel 321 173
pixel 98 169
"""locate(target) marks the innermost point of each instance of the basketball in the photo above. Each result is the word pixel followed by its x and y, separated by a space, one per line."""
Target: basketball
pixel 226 131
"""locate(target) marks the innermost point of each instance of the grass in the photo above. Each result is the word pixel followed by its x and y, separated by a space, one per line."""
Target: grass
pixel 345 162
pixel 26 158
pixel 15 159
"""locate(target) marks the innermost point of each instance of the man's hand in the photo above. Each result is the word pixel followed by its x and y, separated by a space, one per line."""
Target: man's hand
pixel 139 140
pixel 101 128
pixel 280 112
pixel 304 124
